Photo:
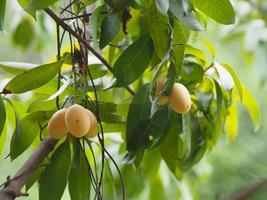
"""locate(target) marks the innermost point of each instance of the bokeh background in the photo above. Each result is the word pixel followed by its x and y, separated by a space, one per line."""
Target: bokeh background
pixel 231 166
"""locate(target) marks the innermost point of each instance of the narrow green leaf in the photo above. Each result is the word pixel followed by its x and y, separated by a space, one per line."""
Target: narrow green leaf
pixel 133 61
pixel 33 78
pixel 2 13
pixel 221 11
pixel 160 125
pixel 109 29
pixel 186 136
pixel 253 108
pixel 236 80
pixel 2 114
pixel 138 120
pixel 169 148
pixel 185 16
pixel 231 122
pixel 219 97
pixel 159 30
pixel 54 179
pixel 16 67
pixel 35 175
pixel 180 36
pixel 79 178
pixel 16 137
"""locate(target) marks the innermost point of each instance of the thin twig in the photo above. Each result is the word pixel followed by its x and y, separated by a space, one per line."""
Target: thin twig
pixel 248 191
pixel 85 43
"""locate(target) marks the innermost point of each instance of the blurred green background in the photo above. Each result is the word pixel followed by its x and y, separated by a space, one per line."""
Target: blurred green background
pixel 230 166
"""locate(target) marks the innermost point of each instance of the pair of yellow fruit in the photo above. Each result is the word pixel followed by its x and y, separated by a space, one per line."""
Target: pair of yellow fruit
pixel 75 120
pixel 179 97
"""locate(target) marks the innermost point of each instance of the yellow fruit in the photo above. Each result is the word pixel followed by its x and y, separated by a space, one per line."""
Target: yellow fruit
pixel 94 125
pixel 56 126
pixel 159 86
pixel 77 120
pixel 180 98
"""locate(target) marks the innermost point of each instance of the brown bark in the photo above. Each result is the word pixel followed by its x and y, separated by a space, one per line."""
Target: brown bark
pixel 13 187
pixel 248 191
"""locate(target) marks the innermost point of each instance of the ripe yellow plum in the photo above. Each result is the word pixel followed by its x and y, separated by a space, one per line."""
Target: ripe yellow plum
pixel 159 86
pixel 180 98
pixel 94 125
pixel 56 126
pixel 77 120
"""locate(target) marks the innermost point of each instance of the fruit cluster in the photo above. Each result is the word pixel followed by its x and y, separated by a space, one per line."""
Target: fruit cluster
pixel 179 97
pixel 76 120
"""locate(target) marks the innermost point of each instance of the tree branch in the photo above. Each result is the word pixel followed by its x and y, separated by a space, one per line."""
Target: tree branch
pixel 12 188
pixel 83 41
pixel 248 191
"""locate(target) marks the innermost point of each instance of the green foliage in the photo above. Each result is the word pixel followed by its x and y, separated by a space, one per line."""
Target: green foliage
pixel 110 27
pixel 79 182
pixel 160 43
pixel 2 114
pixel 138 121
pixel 159 30
pixel 54 179
pixel 2 13
pixel 15 67
pixel 133 61
pixel 220 10
pixel 33 78
pixel 23 36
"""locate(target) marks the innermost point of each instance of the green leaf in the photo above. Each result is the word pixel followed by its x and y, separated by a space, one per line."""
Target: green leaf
pixel 24 4
pixel 16 138
pixel 231 122
pixel 170 147
pixel 236 80
pixel 197 53
pixel 159 30
pixel 163 6
pixel 79 178
pixel 24 33
pixel 34 5
pixel 186 135
pixel 35 175
pixel 16 67
pixel 118 4
pixel 138 120
pixel 2 13
pixel 109 112
pixel 160 125
pixel 54 179
pixel 185 16
pixel 252 107
pixel 221 11
pixel 33 78
pixel 98 70
pixel 133 61
pixel 2 114
pixel 192 73
pixel 110 27
pixel 28 131
pixel 219 97
pixel 180 36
